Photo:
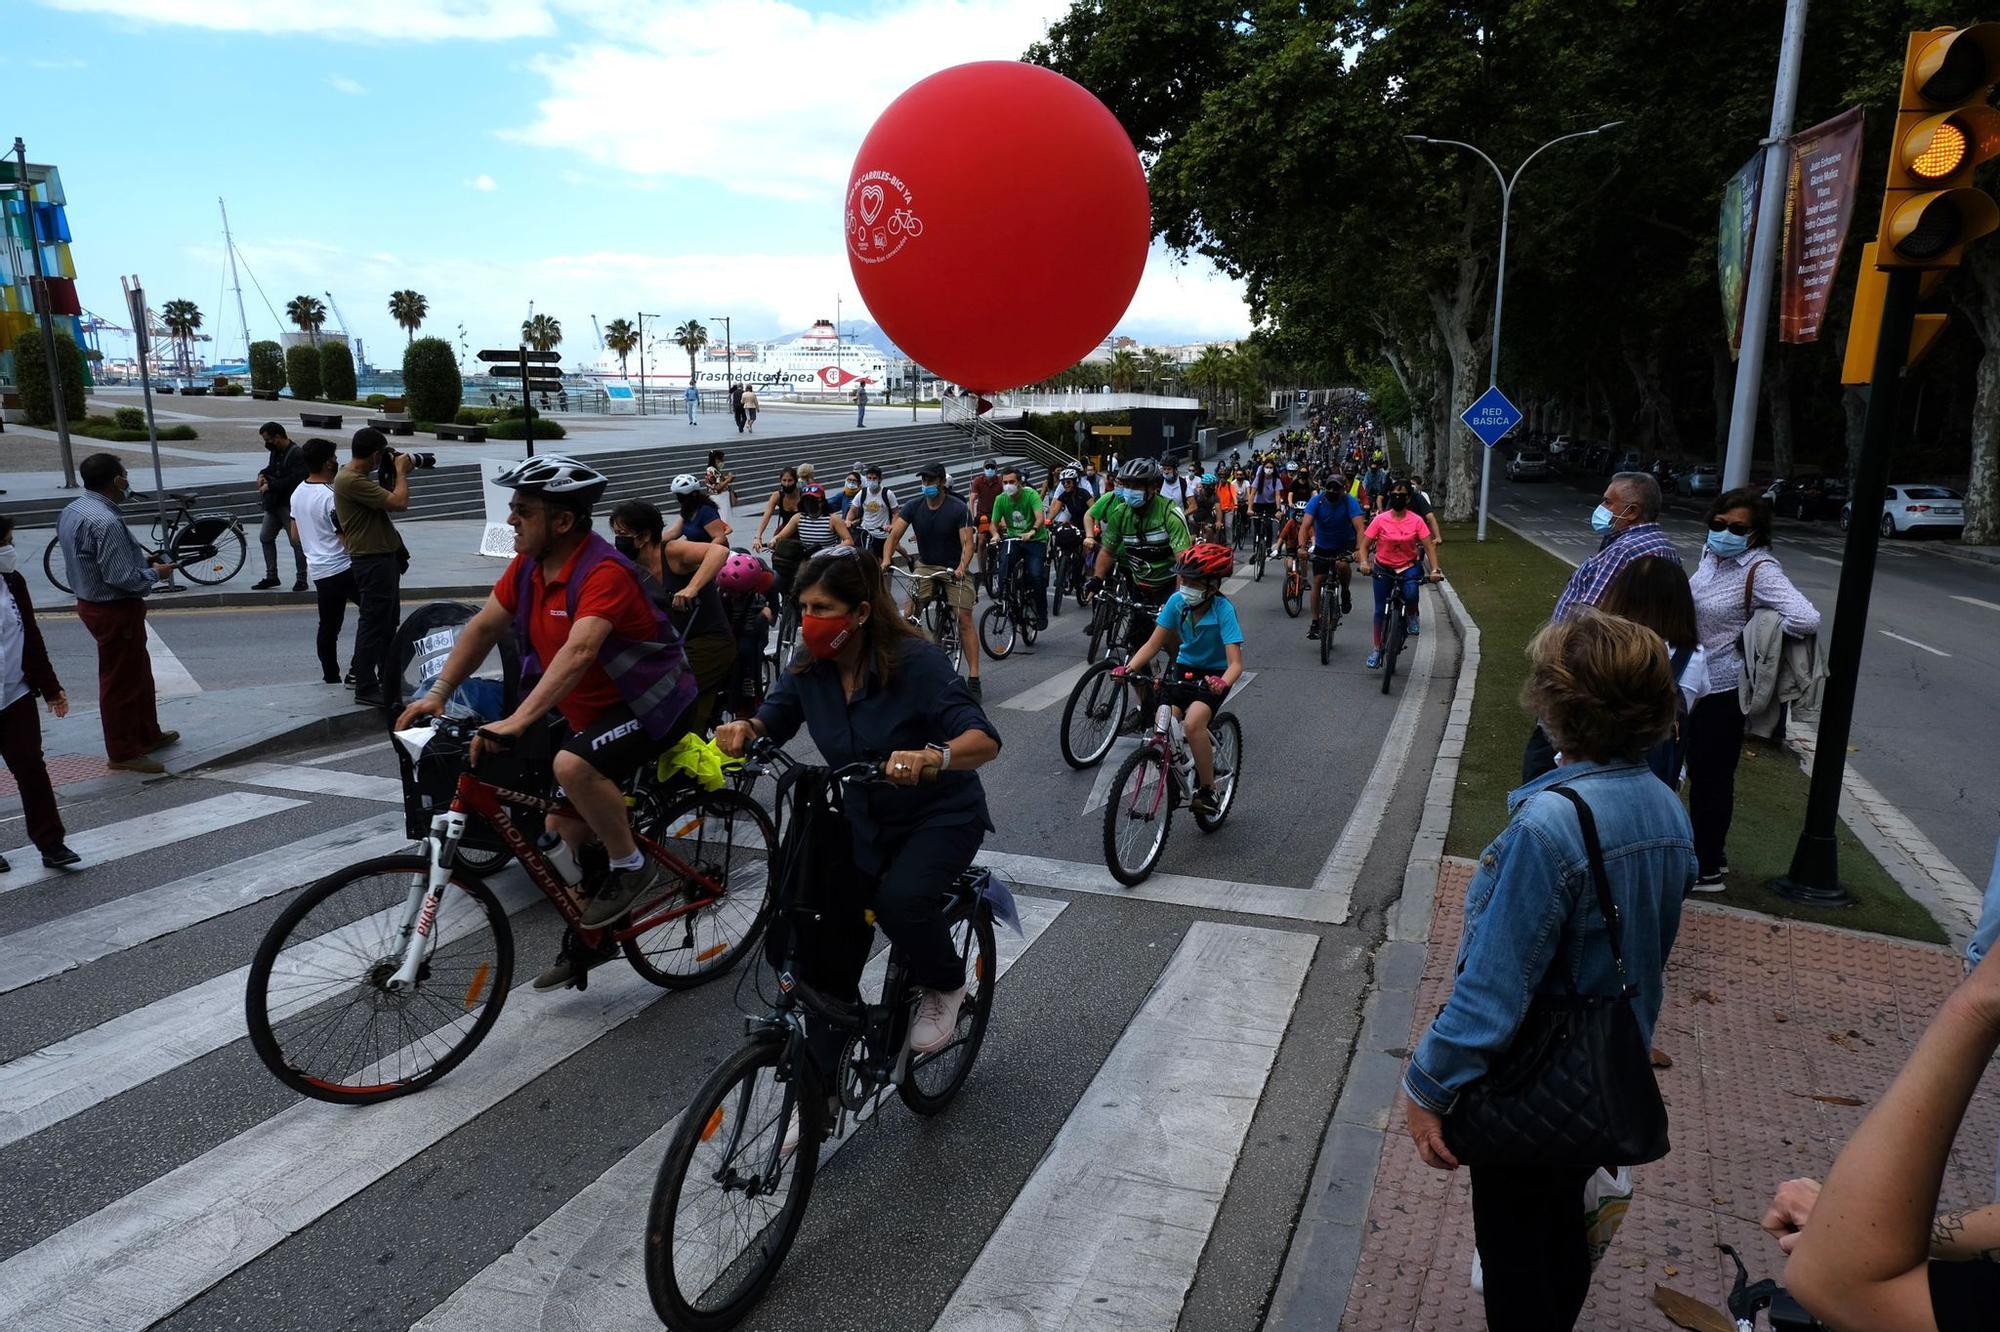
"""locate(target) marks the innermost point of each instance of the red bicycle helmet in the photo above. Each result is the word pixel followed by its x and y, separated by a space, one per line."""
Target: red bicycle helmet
pixel 1207 559
pixel 743 575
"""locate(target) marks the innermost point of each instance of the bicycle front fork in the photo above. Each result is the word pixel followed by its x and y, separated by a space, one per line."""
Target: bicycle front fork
pixel 420 910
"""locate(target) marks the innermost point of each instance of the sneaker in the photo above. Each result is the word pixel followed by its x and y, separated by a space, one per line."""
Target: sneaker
pixel 1346 602
pixel 1312 630
pixel 58 856
pixel 164 739
pixel 150 766
pixel 936 1020
pixel 978 695
pixel 1204 802
pixel 299 586
pixel 263 585
pixel 559 973
pixel 1375 660
pixel 370 698
pixel 1410 628
pixel 1711 883
pixel 615 898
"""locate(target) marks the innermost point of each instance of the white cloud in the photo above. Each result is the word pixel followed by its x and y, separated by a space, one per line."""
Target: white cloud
pixel 484 183
pixel 400 20
pixel 340 83
pixel 766 97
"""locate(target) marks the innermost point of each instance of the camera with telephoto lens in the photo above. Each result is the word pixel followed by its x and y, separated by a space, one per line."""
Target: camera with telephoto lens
pixel 386 469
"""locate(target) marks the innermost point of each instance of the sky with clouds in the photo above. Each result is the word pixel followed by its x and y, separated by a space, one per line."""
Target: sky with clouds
pixel 684 157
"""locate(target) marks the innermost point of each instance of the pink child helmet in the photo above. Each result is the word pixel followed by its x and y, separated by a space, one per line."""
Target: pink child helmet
pixel 743 575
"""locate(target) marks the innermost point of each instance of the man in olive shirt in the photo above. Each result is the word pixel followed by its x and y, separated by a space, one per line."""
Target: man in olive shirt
pixel 361 508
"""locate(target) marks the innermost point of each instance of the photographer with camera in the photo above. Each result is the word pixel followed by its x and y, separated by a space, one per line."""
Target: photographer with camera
pixel 362 504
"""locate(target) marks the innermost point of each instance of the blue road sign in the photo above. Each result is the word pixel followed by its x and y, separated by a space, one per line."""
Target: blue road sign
pixel 1492 416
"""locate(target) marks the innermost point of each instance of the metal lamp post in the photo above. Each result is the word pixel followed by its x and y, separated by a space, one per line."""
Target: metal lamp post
pixel 43 314
pixel 1507 184
pixel 644 315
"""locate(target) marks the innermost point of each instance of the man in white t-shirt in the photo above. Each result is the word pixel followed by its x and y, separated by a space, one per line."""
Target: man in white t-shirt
pixel 327 562
pixel 874 509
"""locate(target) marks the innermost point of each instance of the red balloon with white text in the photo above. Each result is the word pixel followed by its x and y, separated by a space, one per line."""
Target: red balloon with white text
pixel 997 223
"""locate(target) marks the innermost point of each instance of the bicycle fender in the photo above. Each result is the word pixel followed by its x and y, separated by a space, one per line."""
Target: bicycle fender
pixel 997 895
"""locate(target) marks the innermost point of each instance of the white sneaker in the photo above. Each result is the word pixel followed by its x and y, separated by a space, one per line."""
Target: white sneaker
pixel 936 1020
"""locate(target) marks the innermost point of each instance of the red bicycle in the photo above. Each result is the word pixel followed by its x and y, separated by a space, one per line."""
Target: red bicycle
pixel 380 978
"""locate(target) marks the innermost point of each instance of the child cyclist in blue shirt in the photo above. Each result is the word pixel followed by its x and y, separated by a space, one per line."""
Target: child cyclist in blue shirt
pixel 1208 658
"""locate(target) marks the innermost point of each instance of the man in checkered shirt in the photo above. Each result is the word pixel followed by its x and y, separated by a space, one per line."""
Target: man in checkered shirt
pixel 1632 505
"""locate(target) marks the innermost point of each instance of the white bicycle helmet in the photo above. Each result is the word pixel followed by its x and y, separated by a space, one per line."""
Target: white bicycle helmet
pixel 1067 474
pixel 687 483
pixel 563 479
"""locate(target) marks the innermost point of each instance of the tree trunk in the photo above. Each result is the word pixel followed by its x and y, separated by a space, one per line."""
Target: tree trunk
pixel 1654 416
pixel 1778 402
pixel 1453 308
pixel 1982 489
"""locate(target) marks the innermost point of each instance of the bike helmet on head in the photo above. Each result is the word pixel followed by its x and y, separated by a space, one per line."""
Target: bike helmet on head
pixel 563 480
pixel 1067 474
pixel 742 575
pixel 1141 472
pixel 687 483
pixel 1207 559
pixel 1208 478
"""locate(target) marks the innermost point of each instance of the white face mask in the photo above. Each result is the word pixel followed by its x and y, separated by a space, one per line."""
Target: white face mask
pixel 1012 487
pixel 6 559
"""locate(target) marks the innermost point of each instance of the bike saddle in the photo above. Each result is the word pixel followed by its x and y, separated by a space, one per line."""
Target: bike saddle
pixel 188 495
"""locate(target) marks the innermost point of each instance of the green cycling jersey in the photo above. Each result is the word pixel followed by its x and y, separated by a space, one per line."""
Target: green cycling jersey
pixel 1148 541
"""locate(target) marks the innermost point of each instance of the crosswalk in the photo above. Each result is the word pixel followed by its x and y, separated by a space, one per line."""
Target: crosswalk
pixel 1114 1211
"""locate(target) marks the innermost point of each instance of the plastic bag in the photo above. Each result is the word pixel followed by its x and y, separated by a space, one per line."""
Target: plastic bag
pixel 1607 1196
pixel 702 760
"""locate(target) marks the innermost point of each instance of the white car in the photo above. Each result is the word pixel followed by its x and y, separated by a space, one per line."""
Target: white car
pixel 1528 465
pixel 1911 509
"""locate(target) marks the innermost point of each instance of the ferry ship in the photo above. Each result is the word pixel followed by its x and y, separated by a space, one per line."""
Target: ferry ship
pixel 817 361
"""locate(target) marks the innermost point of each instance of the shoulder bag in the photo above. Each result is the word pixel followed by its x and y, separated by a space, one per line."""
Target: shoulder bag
pixel 1576 1087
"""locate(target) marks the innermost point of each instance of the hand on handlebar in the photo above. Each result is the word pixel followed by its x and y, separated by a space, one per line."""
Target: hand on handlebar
pixel 735 738
pixel 424 705
pixel 1215 684
pixel 495 738
pixel 1790 1207
pixel 907 767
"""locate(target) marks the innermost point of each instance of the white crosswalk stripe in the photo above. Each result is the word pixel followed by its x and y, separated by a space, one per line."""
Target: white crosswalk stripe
pixel 146 832
pixel 311 780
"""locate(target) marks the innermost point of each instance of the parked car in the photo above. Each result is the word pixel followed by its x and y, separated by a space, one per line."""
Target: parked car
pixel 1703 482
pixel 1910 510
pixel 1808 497
pixel 1528 465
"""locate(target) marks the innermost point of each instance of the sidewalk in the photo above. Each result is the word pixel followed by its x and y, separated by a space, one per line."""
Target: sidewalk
pixel 1782 1035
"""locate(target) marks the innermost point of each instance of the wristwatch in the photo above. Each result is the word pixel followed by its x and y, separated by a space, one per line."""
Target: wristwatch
pixel 944 756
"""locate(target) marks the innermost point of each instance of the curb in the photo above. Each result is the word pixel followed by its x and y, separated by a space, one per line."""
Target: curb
pixel 1325 1249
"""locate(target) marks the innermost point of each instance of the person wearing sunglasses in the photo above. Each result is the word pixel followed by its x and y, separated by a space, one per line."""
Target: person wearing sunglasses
pixel 1737 578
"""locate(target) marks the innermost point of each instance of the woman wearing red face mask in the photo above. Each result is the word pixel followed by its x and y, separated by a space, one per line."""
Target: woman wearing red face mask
pixel 872 686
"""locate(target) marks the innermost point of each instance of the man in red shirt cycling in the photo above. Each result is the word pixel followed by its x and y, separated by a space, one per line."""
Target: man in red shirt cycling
pixel 607 658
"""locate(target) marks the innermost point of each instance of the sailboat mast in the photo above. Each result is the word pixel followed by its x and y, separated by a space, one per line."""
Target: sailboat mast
pixel 229 244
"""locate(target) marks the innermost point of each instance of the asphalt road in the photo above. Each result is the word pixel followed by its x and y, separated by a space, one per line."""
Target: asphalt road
pixel 1926 714
pixel 1189 1056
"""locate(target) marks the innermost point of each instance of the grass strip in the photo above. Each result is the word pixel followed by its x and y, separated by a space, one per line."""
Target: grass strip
pixel 1509 585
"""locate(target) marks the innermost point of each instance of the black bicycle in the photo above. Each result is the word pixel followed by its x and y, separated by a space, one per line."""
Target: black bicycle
pixel 208 547
pixel 1011 617
pixel 1748 1298
pixel 1396 627
pixel 1326 606
pixel 739 1171
pixel 1065 566
pixel 1111 612
pixel 1262 535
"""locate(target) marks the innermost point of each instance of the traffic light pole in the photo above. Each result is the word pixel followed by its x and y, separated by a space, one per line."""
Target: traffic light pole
pixel 1815 873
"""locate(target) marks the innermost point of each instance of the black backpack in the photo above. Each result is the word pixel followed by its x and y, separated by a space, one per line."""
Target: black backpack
pixel 815 857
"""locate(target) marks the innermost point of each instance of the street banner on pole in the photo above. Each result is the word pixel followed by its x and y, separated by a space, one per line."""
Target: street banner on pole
pixel 1735 226
pixel 1819 202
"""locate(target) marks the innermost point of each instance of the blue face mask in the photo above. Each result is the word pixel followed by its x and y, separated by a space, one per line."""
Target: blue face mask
pixel 1132 497
pixel 930 492
pixel 1602 520
pixel 1728 545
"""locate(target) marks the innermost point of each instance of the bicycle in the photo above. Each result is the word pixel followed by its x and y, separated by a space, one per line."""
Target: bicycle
pixel 1101 707
pixel 377 981
pixel 1261 538
pixel 1294 595
pixel 1748 1298
pixel 1326 605
pixel 936 618
pixel 1065 565
pixel 1395 628
pixel 1110 618
pixel 730 1194
pixel 1156 777
pixel 208 547
pixel 1011 617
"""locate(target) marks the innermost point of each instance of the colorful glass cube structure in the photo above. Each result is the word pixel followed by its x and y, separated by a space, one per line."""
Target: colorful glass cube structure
pixel 40 219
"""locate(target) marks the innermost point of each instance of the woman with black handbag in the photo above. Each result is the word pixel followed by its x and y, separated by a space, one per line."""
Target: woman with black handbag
pixel 1536 1070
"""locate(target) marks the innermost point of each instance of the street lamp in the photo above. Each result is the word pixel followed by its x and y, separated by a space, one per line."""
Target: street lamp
pixel 643 316
pixel 43 313
pixel 1500 280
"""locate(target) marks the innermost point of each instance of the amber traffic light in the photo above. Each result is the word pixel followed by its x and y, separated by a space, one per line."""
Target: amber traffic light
pixel 1944 130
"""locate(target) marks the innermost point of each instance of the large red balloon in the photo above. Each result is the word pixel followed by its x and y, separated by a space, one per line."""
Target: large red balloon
pixel 997 223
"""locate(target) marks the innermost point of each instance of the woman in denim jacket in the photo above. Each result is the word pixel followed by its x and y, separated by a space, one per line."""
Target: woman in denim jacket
pixel 1603 691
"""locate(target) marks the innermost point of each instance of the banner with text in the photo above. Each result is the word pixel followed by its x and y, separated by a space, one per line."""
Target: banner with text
pixel 1819 203
pixel 1735 225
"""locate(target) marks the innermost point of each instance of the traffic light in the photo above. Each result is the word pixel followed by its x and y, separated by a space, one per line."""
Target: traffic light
pixel 1944 130
pixel 1864 325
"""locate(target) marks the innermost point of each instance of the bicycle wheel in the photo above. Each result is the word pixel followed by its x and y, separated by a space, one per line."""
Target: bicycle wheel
pixel 481 860
pixel 56 566
pixel 729 839
pixel 1294 594
pixel 1137 815
pixel 1225 735
pixel 1100 621
pixel 996 631
pixel 1092 715
pixel 934 1079
pixel 318 1004
pixel 210 549
pixel 1328 619
pixel 1262 553
pixel 1061 571
pixel 729 1199
pixel 1024 617
pixel 1392 641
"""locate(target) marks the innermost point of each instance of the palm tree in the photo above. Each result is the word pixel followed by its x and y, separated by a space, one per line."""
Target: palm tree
pixel 542 332
pixel 621 339
pixel 409 308
pixel 1125 370
pixel 182 318
pixel 1208 371
pixel 691 337
pixel 308 312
